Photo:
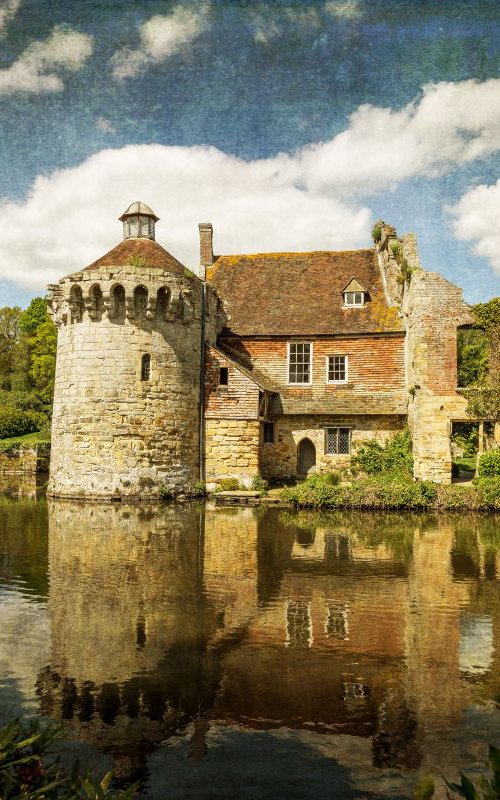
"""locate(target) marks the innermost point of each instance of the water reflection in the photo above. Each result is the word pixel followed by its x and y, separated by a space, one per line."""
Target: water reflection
pixel 356 633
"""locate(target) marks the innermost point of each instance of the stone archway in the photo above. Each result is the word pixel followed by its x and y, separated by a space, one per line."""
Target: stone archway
pixel 306 457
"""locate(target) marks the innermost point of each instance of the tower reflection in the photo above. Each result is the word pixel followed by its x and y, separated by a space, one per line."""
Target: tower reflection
pixel 165 618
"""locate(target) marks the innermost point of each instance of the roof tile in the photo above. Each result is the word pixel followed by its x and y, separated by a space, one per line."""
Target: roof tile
pixel 300 294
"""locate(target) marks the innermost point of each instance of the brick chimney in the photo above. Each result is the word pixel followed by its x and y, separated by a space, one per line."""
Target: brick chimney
pixel 206 247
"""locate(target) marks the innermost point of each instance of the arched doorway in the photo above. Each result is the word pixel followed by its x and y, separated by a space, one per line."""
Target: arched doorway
pixel 306 457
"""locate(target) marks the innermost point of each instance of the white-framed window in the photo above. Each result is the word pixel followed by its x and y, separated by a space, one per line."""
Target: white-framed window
pixel 354 298
pixel 338 441
pixel 299 362
pixel 336 369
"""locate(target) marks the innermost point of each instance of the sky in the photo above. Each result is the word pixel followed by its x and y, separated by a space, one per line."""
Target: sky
pixel 289 125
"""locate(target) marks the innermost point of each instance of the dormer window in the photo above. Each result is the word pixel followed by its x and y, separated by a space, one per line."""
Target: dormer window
pixel 354 294
pixel 354 298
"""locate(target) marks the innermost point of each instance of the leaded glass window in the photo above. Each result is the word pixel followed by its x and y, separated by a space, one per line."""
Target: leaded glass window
pixel 268 433
pixel 338 441
pixel 337 369
pixel 299 362
pixel 354 298
pixel 146 367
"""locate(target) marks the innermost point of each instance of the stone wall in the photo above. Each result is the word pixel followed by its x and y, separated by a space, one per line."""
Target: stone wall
pixel 115 434
pixel 231 450
pixel 25 460
pixel 280 458
pixel 434 309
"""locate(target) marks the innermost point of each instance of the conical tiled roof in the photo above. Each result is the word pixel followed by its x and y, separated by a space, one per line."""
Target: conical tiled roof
pixel 139 252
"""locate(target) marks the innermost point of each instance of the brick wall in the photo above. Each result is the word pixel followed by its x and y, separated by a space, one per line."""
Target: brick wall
pixel 238 400
pixel 376 363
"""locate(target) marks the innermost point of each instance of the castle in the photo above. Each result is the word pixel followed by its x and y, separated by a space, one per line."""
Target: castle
pixel 279 363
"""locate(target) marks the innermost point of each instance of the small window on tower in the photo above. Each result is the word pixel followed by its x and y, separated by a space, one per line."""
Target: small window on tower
pixel 268 433
pixel 146 367
pixel 223 376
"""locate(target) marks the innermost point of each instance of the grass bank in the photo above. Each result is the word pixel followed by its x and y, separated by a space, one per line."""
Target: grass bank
pixel 319 491
pixel 15 443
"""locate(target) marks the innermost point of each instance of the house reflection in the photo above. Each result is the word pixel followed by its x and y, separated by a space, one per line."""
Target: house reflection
pixel 370 626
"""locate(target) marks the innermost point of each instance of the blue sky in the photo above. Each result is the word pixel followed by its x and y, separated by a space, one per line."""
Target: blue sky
pixel 289 125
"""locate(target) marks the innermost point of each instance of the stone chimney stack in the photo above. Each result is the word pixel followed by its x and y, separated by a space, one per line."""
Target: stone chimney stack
pixel 206 247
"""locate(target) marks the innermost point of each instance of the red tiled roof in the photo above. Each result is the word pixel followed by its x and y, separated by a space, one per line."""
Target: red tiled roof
pixel 301 293
pixel 147 251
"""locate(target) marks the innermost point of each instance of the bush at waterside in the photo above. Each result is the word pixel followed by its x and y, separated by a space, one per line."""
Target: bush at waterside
pixel 379 493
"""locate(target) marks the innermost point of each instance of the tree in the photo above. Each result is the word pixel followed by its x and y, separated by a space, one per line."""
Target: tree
pixel 9 337
pixel 42 346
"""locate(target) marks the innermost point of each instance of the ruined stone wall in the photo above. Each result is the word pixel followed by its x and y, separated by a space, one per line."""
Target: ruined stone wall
pixel 434 309
pixel 280 458
pixel 25 460
pixel 115 434
pixel 231 450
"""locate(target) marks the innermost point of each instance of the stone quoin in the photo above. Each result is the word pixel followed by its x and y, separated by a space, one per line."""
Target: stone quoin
pixel 281 364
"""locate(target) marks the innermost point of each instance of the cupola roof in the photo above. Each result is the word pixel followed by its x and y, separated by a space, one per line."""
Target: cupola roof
pixel 138 208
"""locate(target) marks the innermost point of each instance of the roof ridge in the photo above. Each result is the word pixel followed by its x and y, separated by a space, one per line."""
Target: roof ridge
pixel 276 253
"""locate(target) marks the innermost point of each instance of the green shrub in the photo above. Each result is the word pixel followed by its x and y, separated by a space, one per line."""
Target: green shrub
pixel 259 484
pixel 488 492
pixel 489 464
pixel 165 494
pixel 15 422
pixel 228 485
pixel 394 458
pixel 377 232
pixel 199 489
pixel 29 770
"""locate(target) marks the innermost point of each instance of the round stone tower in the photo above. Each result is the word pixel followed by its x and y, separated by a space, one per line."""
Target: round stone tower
pixel 127 390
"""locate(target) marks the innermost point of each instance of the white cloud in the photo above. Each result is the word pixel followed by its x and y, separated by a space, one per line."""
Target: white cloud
pixel 160 38
pixel 8 10
pixel 344 9
pixel 37 69
pixel 70 217
pixel 450 125
pixel 476 220
pixel 291 201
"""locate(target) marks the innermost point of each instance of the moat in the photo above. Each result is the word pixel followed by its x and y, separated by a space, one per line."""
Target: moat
pixel 250 652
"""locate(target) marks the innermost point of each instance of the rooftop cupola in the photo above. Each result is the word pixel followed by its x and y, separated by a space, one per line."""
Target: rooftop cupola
pixel 139 222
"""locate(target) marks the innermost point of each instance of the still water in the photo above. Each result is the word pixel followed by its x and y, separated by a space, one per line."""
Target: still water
pixel 251 653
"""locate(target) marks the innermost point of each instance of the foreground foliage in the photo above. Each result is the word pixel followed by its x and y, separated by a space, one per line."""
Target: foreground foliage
pixel 488 789
pixel 29 770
